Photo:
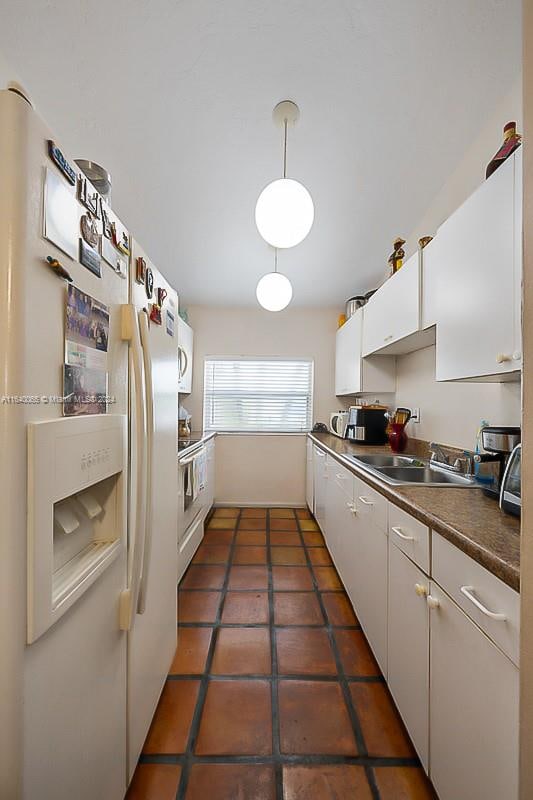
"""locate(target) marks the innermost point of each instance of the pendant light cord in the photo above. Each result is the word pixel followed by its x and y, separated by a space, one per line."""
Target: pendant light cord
pixel 285 150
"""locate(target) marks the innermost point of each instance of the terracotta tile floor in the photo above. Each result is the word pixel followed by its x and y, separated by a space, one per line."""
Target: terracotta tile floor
pixel 274 693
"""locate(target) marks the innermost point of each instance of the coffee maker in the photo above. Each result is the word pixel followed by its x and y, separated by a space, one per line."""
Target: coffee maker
pixel 498 441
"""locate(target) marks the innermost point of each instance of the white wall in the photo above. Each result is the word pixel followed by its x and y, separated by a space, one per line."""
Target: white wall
pixel 471 164
pixel 450 412
pixel 261 468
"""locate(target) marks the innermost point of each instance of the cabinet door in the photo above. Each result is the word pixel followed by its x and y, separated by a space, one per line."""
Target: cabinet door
pixel 309 475
pixel 348 356
pixel 473 709
pixel 319 460
pixel 472 279
pixel 367 580
pixel 408 647
pixel 392 314
pixel 185 356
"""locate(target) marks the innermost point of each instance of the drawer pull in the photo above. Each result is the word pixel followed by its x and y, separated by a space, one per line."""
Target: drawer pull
pixel 468 592
pixel 366 502
pixel 341 477
pixel 421 590
pixel 432 601
pixel 403 536
pixel 352 507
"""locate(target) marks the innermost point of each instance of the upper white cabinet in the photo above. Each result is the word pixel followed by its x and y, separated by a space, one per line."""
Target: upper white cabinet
pixel 185 356
pixel 472 282
pixel 393 315
pixel 353 374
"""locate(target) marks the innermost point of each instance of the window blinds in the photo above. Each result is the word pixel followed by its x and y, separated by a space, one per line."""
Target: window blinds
pixel 258 395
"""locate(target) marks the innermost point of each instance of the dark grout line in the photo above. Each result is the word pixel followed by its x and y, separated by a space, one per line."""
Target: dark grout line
pixel 341 677
pixel 204 682
pixel 246 676
pixel 284 759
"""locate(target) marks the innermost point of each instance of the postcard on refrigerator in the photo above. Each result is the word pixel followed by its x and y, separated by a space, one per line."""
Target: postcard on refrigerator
pixel 84 391
pixel 86 330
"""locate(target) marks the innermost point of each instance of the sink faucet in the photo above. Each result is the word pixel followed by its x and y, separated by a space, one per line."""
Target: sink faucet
pixel 438 454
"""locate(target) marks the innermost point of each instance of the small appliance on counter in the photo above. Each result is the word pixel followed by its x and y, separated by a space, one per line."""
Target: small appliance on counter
pixel 338 422
pixel 511 491
pixel 367 424
pixel 498 441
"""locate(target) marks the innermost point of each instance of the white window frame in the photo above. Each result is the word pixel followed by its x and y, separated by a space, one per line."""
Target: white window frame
pixel 261 432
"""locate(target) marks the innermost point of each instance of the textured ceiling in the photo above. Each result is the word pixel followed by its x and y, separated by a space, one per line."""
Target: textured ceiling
pixel 175 98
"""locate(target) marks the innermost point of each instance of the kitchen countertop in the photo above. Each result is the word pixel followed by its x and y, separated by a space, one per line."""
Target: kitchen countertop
pixel 197 437
pixel 464 516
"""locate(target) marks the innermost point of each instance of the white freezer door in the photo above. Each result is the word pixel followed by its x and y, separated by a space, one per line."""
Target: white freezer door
pixel 153 635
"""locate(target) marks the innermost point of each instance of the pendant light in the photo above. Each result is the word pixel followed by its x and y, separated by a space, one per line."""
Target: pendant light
pixel 284 212
pixel 274 290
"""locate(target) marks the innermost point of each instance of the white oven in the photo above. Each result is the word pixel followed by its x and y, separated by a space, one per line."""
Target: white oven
pixel 192 492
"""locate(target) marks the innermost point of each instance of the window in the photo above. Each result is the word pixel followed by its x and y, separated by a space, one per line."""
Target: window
pixel 258 395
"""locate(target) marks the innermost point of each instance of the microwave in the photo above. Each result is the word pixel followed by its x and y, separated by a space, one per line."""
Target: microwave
pixel 338 422
pixel 511 491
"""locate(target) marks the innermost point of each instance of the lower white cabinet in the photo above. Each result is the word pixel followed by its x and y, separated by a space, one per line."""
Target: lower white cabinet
pixel 449 659
pixel 408 647
pixel 320 478
pixel 309 475
pixel 473 709
pixel 367 550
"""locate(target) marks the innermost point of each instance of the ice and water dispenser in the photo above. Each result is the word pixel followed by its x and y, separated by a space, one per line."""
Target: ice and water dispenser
pixel 77 496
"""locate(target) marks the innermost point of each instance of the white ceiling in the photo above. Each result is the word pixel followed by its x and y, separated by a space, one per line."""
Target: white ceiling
pixel 175 98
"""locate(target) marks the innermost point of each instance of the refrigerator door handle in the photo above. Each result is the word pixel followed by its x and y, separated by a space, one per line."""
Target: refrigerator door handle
pixel 149 406
pixel 129 597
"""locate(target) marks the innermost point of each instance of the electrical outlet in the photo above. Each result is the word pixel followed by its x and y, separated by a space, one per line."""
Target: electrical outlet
pixel 415 416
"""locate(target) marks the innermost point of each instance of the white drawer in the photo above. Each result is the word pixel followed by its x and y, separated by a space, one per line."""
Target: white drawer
pixel 410 535
pixel 189 544
pixel 370 504
pixel 481 595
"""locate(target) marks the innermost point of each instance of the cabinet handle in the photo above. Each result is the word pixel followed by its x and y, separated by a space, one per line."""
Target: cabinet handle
pixel 501 357
pixel 341 477
pixel 403 536
pixel 517 356
pixel 366 502
pixel 352 507
pixel 468 592
pixel 421 590
pixel 432 601
pixel 388 338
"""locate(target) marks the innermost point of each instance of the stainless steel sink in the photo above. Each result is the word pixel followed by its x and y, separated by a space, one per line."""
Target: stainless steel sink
pixel 424 475
pixel 404 470
pixel 384 460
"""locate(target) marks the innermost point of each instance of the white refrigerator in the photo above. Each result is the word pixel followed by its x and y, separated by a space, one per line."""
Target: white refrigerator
pixel 88 524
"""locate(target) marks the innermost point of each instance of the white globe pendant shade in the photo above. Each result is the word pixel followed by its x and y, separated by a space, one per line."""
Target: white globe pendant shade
pixel 284 213
pixel 274 291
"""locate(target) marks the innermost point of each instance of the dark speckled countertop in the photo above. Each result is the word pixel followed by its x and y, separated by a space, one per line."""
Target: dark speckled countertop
pixel 466 517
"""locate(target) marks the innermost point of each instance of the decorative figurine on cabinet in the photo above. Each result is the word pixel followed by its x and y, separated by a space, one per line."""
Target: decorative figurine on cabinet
pixel 511 141
pixel 397 256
